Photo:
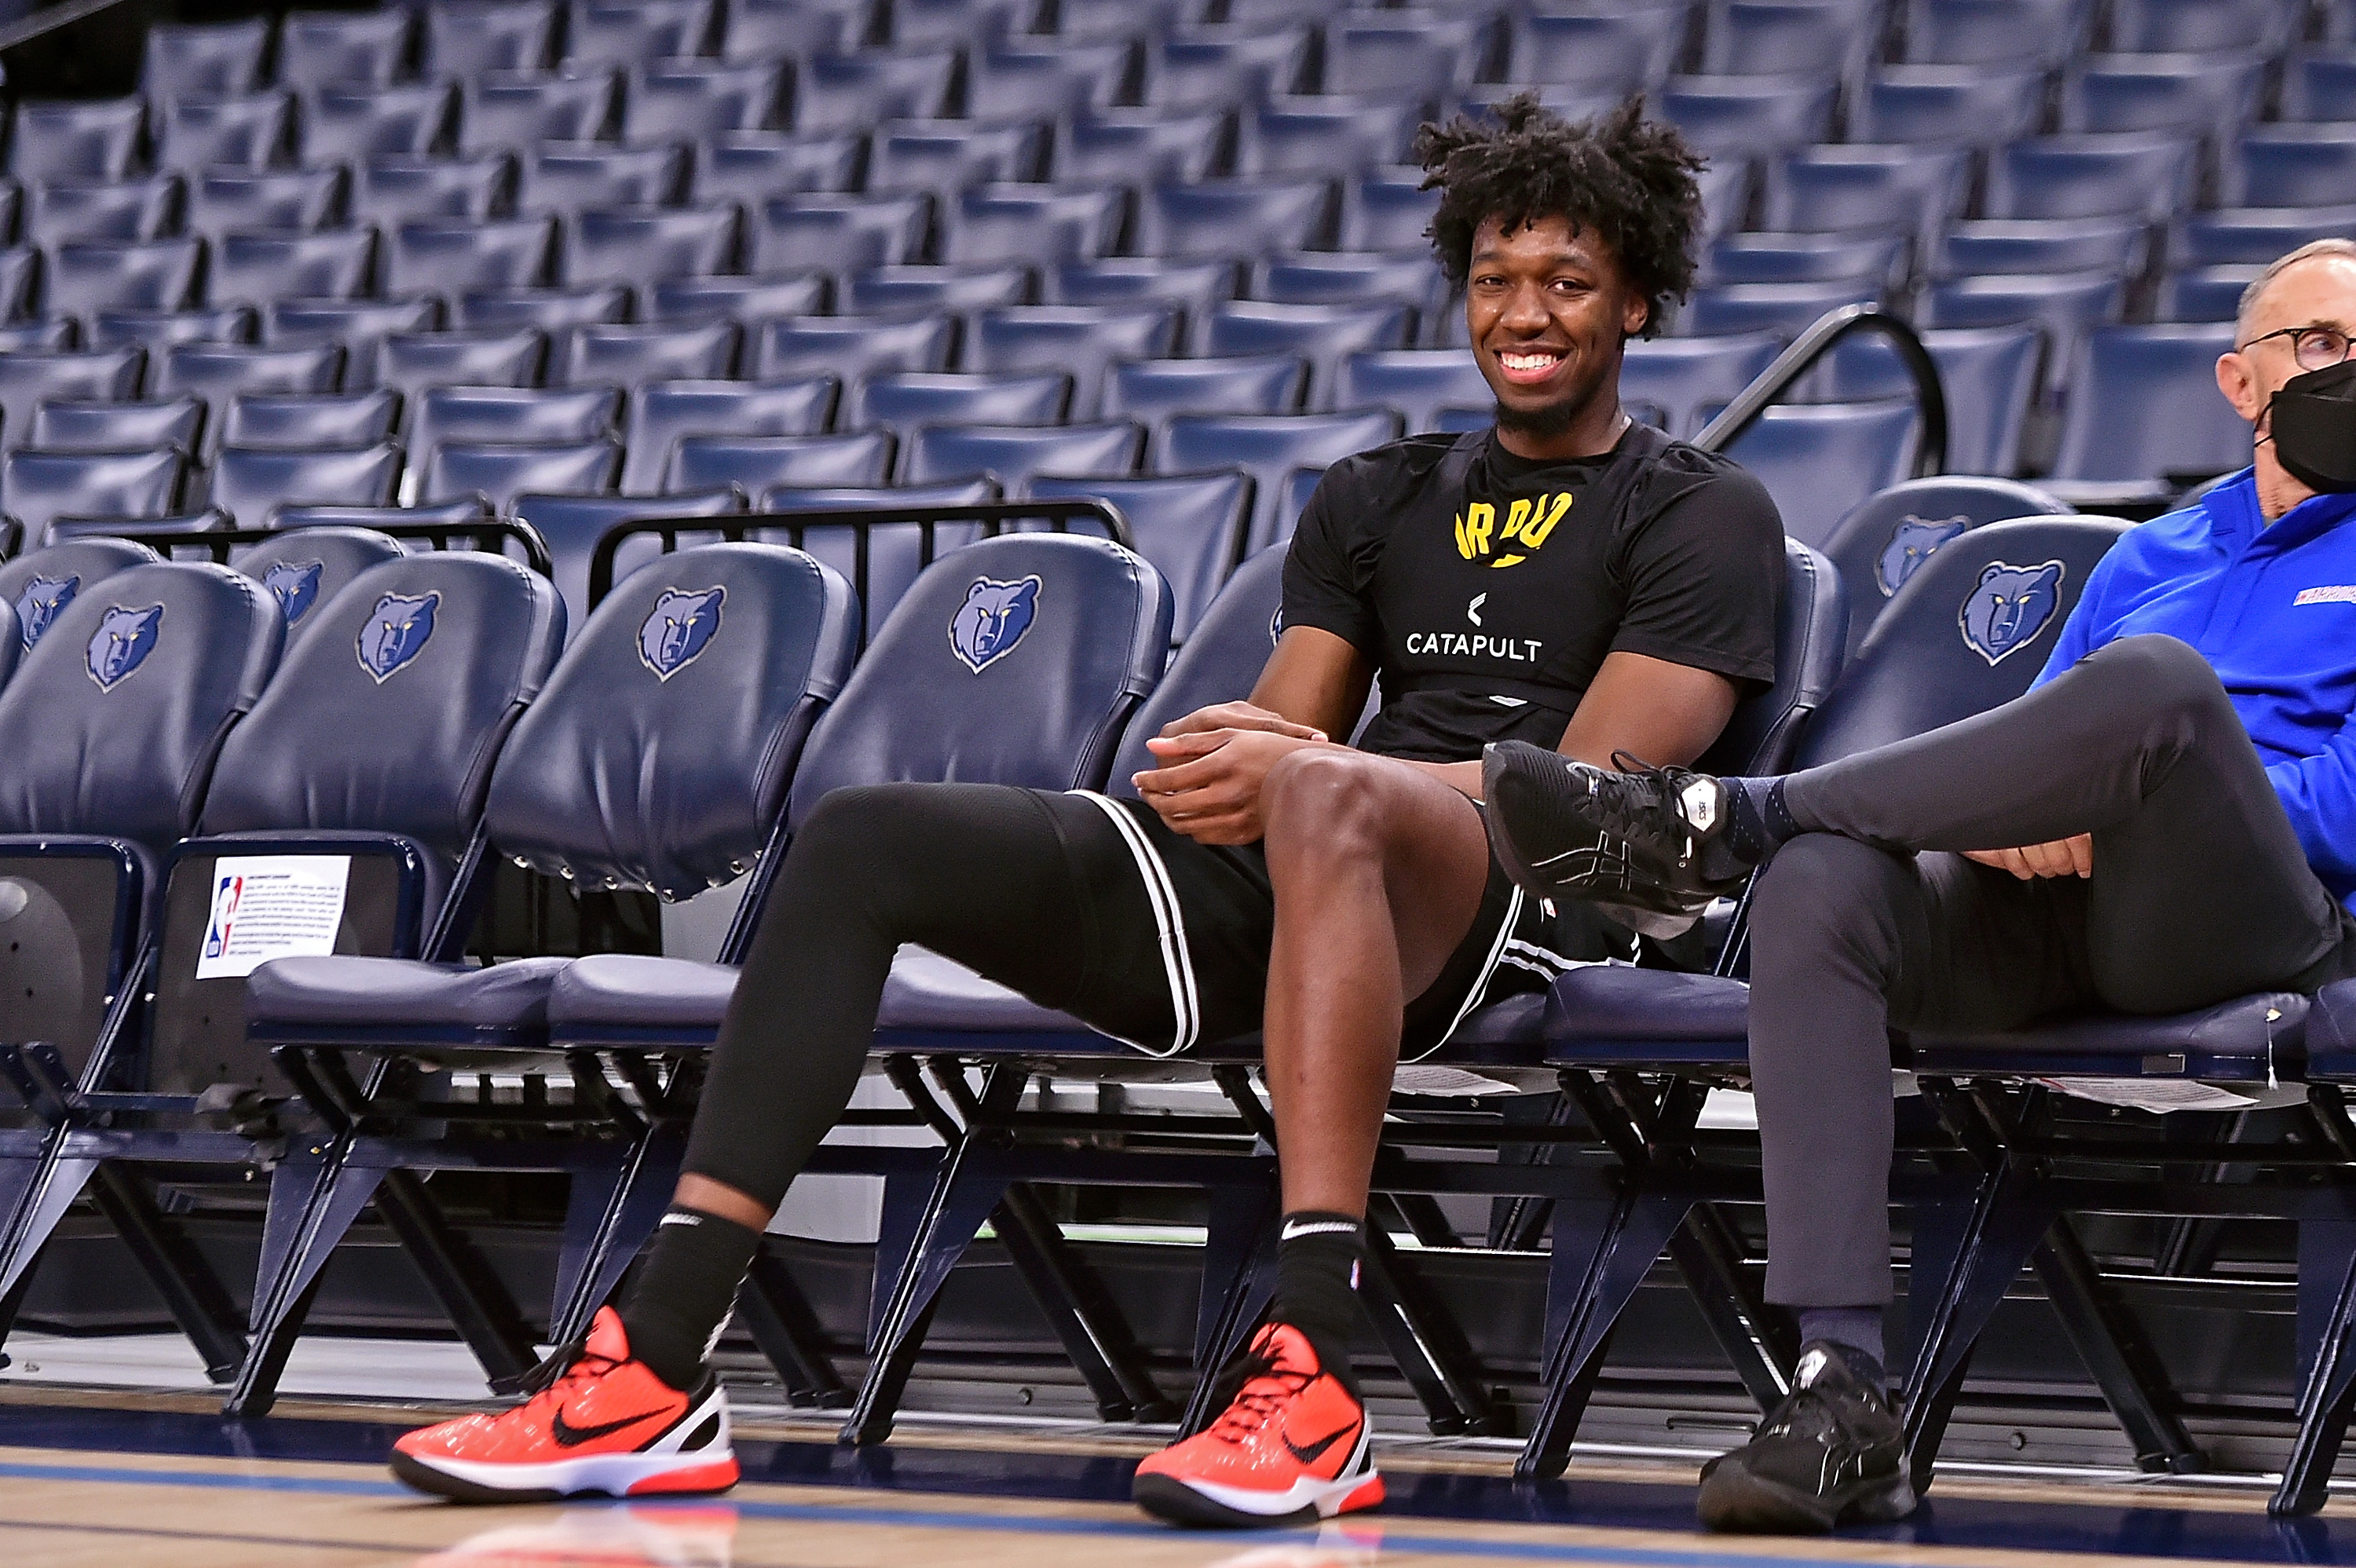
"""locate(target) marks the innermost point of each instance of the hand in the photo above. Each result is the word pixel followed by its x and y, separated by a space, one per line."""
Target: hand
pixel 1208 785
pixel 2062 858
pixel 1237 716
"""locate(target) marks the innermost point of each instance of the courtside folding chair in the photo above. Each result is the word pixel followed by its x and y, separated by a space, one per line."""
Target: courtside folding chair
pixel 656 759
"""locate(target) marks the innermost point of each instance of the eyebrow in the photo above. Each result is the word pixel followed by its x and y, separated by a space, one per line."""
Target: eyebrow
pixel 1559 259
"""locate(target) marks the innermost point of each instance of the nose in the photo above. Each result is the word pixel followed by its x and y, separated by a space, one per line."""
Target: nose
pixel 1525 310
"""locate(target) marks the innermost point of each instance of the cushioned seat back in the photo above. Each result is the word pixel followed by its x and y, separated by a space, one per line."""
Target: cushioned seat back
pixel 112 720
pixel 1888 536
pixel 38 488
pixel 1817 460
pixel 397 695
pixel 1810 642
pixel 305 568
pixel 38 585
pixel 1190 526
pixel 1014 660
pixel 661 750
pixel 572 525
pixel 249 483
pixel 1970 630
pixel 1220 663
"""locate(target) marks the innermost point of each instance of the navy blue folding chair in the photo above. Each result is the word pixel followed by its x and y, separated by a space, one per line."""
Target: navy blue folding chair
pixel 1889 536
pixel 2144 405
pixel 1152 390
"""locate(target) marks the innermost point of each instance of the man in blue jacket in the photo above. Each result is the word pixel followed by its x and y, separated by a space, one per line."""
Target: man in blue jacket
pixel 2167 820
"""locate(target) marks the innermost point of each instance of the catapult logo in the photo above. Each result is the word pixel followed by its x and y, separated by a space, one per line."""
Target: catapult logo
pixel 1476 643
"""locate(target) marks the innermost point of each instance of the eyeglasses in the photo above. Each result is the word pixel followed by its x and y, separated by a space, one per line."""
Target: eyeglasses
pixel 2315 347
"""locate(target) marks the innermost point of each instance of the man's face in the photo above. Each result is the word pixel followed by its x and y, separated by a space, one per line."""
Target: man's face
pixel 2318 292
pixel 1546 311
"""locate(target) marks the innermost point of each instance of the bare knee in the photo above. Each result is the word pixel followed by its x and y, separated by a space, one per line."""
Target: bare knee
pixel 1324 806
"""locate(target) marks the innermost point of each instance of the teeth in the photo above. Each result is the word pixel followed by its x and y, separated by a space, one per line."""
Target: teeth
pixel 1527 362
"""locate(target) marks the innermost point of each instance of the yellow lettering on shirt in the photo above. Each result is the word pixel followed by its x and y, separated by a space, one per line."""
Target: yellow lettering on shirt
pixel 1473 530
pixel 1530 521
pixel 1535 535
pixel 1516 516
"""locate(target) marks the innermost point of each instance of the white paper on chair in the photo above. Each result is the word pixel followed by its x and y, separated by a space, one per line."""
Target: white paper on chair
pixel 2159 1095
pixel 271 906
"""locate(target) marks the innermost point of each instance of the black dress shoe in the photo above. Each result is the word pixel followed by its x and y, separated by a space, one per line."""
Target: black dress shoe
pixel 1833 1453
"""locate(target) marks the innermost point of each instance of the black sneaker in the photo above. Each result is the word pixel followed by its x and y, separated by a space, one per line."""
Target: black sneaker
pixel 1832 1454
pixel 1648 844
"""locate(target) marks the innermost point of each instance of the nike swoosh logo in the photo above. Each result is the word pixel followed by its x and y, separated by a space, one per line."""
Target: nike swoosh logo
pixel 1310 1455
pixel 568 1435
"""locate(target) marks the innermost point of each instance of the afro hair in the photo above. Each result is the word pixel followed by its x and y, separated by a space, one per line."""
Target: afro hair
pixel 1629 179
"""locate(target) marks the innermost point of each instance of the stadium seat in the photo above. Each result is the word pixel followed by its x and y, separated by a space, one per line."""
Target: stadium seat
pixel 1082 341
pixel 1818 460
pixel 69 139
pixel 1385 210
pixel 157 330
pixel 1310 137
pixel 450 256
pixel 1146 147
pixel 305 568
pixel 686 102
pixel 218 59
pixel 903 400
pixel 1912 190
pixel 1411 277
pixel 2205 95
pixel 904 291
pixel 254 269
pixel 2320 84
pixel 894 553
pixel 299 420
pixel 1416 383
pixel 192 133
pixel 60 211
pixel 630 356
pixel 1886 538
pixel 19 266
pixel 1683 380
pixel 750 301
pixel 748 168
pixel 1110 18
pixel 551 312
pixel 29 378
pixel 1033 224
pixel 950 154
pixel 1189 526
pixel 1056 79
pixel 2067 305
pixel 1268 448
pixel 1784 309
pixel 1415 55
pixel 503 470
pixel 568 177
pixel 1993 32
pixel 182 524
pixel 852 91
pixel 1150 391
pixel 466 39
pixel 1971 106
pixel 1749 116
pixel 2204 294
pixel 2254 235
pixel 354 125
pixel 2042 245
pixel 2144 404
pixel 218 372
pixel 1786 38
pixel 359 325
pixel 1989 374
pixel 574 524
pixel 84 424
pixel 1013 455
pixel 391 191
pixel 38 488
pixel 2291 165
pixel 919 24
pixel 813 231
pixel 515 414
pixel 1233 218
pixel 80 279
pixel 664 411
pixel 2187 25
pixel 499 112
pixel 2143 173
pixel 1621 50
pixel 458 515
pixel 1770 258
pixel 850 347
pixel 54 336
pixel 1322 335
pixel 37 584
pixel 342 49
pixel 409 362
pixel 248 482
pixel 279 201
pixel 1211 68
pixel 611 35
pixel 635 245
pixel 1196 287
pixel 758 463
pixel 788 29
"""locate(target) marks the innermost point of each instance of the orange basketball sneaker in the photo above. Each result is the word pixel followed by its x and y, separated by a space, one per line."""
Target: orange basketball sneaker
pixel 598 1422
pixel 1293 1447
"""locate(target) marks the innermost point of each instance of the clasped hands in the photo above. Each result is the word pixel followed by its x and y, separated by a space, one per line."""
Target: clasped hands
pixel 2061 858
pixel 1214 761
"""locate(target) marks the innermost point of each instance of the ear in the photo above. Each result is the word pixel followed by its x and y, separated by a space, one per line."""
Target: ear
pixel 1990 572
pixel 2240 387
pixel 1635 310
pixel 2051 575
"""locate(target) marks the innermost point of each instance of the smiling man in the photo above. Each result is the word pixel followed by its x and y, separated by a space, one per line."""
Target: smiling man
pixel 1567 578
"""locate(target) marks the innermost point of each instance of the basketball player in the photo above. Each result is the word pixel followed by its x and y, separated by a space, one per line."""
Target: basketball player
pixel 1569 578
pixel 2165 821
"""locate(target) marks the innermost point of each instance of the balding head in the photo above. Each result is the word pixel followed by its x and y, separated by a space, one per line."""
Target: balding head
pixel 2255 300
pixel 2315 286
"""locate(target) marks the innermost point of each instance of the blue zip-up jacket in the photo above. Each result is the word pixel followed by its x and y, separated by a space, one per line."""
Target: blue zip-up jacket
pixel 2273 609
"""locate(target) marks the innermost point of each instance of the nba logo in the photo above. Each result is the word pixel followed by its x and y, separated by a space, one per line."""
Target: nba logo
pixel 224 916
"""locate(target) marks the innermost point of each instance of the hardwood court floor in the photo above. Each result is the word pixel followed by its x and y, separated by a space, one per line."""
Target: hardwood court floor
pixel 106 1481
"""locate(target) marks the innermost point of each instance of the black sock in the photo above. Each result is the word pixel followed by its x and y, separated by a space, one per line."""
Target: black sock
pixel 686 1291
pixel 1761 821
pixel 1857 1328
pixel 1317 1258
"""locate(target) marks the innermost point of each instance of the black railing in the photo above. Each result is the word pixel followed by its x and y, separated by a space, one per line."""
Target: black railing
pixel 219 543
pixel 1823 336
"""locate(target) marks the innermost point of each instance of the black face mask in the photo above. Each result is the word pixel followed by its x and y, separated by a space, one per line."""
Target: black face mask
pixel 2312 423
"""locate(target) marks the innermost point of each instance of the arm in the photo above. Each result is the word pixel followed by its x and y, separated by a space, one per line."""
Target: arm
pixel 2318 795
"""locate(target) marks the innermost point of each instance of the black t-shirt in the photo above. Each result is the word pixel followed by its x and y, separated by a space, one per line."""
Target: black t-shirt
pixel 1487 589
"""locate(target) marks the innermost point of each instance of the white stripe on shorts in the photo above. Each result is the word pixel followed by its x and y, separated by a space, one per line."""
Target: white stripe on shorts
pixel 1177 960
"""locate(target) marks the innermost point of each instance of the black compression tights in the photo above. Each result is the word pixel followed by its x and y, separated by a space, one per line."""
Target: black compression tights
pixel 983 874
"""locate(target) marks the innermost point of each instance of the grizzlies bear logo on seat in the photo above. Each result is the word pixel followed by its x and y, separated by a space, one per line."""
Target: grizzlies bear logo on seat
pixel 124 640
pixel 44 599
pixel 395 632
pixel 296 585
pixel 680 626
pixel 2008 606
pixel 1914 541
pixel 992 620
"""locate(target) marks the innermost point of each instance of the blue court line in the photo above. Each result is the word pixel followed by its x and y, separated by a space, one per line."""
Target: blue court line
pixel 1010 1524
